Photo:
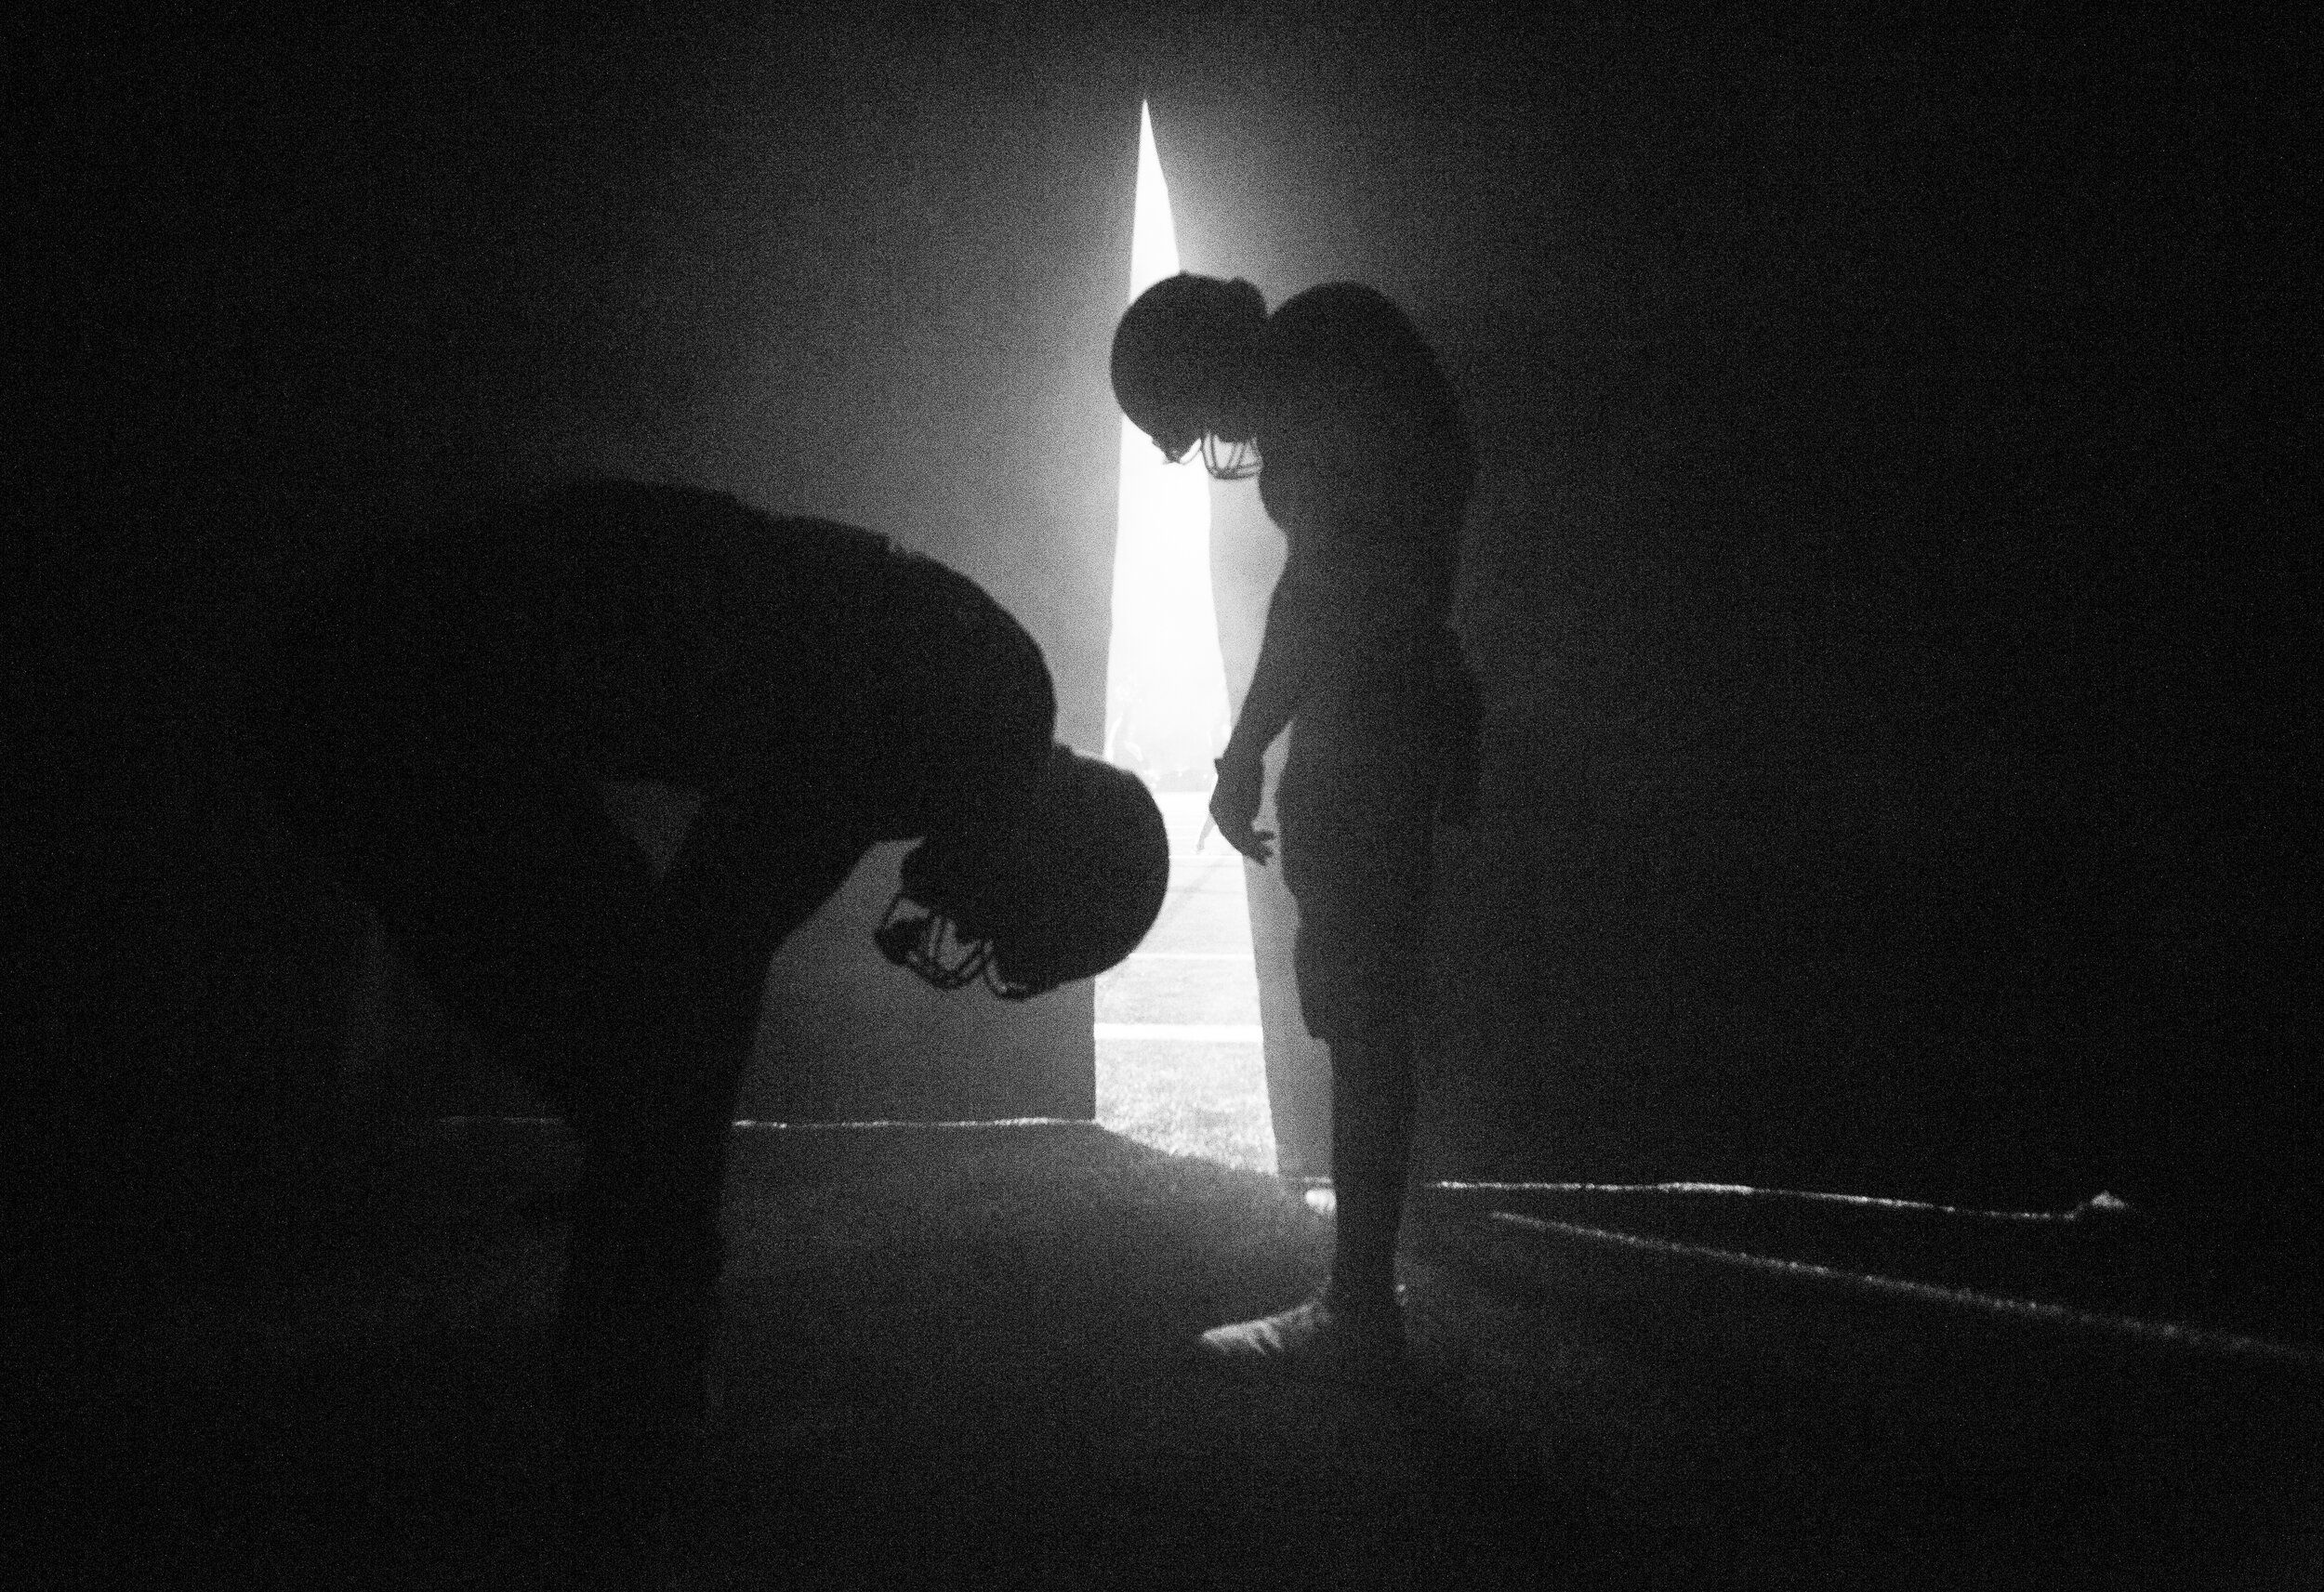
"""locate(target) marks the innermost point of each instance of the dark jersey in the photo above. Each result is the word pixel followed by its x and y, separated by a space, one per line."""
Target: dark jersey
pixel 622 632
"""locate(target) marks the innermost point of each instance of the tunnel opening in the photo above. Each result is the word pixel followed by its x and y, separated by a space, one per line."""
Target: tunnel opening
pixel 1179 1060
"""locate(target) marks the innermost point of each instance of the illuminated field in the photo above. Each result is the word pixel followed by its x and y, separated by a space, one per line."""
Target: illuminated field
pixel 1179 1060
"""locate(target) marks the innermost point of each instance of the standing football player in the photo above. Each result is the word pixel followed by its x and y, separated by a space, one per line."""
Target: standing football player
pixel 1363 459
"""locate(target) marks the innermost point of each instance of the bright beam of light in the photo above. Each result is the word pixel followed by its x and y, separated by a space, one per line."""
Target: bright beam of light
pixel 1179 1060
pixel 1165 685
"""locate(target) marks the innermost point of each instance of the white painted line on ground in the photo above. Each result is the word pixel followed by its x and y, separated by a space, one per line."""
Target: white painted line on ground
pixel 1208 1032
pixel 977 1123
pixel 1930 1293
pixel 802 1127
pixel 2099 1208
pixel 1188 956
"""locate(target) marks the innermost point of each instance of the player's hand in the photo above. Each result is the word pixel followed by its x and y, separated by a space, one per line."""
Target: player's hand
pixel 1234 809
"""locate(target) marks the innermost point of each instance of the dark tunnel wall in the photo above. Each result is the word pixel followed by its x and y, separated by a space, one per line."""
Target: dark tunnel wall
pixel 315 282
pixel 1883 576
pixel 1894 621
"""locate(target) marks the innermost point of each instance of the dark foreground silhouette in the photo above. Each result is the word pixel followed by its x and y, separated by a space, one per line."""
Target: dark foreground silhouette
pixel 451 720
pixel 956 1358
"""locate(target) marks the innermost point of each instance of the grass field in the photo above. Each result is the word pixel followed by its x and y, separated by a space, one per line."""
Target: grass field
pixel 1188 1097
pixel 1179 1061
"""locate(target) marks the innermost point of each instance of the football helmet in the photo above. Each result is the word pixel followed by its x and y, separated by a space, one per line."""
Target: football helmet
pixel 1180 349
pixel 1063 889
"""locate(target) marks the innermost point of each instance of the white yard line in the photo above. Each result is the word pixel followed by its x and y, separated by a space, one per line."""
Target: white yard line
pixel 1188 956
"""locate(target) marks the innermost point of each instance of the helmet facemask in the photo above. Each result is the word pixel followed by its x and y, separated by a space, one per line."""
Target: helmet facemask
pixel 1062 892
pixel 940 924
pixel 932 946
pixel 1229 461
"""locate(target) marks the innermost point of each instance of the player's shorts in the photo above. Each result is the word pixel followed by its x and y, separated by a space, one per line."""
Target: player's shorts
pixel 1358 862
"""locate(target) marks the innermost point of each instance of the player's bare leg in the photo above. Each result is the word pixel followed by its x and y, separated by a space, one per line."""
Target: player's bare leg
pixel 1352 1329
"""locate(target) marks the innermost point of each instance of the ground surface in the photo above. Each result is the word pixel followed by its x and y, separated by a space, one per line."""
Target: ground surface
pixel 954 1358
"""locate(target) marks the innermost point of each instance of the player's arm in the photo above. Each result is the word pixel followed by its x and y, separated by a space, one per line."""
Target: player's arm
pixel 1285 662
pixel 1289 652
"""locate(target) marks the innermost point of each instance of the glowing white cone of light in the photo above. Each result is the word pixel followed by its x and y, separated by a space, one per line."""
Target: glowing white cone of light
pixel 1179 1060
pixel 1165 685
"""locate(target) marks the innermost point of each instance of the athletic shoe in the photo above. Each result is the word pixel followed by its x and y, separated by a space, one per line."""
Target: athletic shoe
pixel 1310 1340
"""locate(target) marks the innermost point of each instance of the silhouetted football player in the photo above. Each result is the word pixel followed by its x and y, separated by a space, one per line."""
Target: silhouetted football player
pixel 1363 462
pixel 451 715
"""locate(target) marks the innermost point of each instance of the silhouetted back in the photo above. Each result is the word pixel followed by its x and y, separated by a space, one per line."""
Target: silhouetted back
pixel 1366 455
pixel 624 631
pixel 1368 467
